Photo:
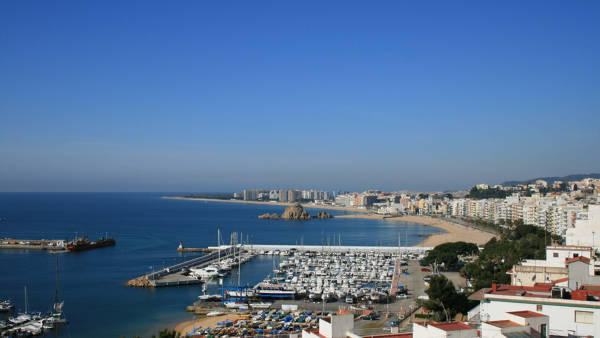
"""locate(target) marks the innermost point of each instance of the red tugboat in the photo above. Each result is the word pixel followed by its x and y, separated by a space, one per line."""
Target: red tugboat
pixel 82 243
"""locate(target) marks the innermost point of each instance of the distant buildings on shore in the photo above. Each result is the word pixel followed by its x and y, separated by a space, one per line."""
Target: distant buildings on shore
pixel 285 195
pixel 556 206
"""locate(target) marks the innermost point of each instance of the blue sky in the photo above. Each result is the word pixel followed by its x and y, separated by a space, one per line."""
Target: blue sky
pixel 221 96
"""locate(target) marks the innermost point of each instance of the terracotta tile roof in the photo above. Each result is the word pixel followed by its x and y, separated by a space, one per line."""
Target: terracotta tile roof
pixel 590 287
pixel 527 314
pixel 540 291
pixel 343 312
pixel 452 326
pixel 503 323
pixel 580 258
pixel 477 295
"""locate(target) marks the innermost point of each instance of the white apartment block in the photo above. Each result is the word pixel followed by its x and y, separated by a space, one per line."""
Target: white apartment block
pixel 557 214
pixel 578 316
pixel 586 230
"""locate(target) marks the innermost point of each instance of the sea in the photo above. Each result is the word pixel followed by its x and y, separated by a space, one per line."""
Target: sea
pixel 148 229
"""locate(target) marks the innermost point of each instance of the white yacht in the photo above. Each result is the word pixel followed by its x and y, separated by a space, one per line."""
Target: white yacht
pixel 20 319
pixel 211 271
pixel 241 293
pixel 261 305
pixel 6 306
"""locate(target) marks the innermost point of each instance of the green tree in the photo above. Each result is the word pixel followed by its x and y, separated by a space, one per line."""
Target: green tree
pixel 446 254
pixel 499 255
pixel 487 193
pixel 444 301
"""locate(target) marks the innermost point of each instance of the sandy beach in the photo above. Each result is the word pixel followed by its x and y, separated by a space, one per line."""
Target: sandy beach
pixel 454 232
pixel 304 205
pixel 186 328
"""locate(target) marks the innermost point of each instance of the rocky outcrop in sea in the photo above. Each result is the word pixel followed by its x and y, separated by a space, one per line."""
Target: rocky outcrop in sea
pixel 296 213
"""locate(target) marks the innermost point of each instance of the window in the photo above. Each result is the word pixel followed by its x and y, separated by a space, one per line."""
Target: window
pixel 538 308
pixel 584 317
pixel 575 255
pixel 555 254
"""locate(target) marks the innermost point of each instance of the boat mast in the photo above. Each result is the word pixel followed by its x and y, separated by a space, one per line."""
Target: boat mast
pixel 219 244
pixel 240 258
pixel 25 298
pixel 56 293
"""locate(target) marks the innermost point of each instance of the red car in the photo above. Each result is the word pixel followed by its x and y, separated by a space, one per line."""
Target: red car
pixel 425 270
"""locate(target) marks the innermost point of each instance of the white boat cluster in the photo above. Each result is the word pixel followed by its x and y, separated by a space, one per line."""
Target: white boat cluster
pixel 221 268
pixel 326 276
pixel 30 324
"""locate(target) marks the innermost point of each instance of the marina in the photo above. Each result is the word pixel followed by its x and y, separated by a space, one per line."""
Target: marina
pixel 350 276
pixel 32 323
pixel 374 307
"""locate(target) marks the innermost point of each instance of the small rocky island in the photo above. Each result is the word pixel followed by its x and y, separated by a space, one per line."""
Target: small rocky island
pixel 296 213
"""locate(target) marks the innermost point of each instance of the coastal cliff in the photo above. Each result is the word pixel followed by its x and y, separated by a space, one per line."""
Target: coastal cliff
pixel 296 213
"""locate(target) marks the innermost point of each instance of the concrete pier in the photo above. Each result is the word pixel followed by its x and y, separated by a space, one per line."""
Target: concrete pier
pixel 33 244
pixel 173 275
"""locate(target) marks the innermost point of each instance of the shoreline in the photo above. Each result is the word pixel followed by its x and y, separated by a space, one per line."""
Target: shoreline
pixel 453 232
pixel 186 328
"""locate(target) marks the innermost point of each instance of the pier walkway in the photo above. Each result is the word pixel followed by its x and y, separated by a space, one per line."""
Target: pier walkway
pixel 173 275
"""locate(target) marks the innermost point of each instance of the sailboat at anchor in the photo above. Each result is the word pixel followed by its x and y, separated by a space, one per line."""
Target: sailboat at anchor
pixel 57 316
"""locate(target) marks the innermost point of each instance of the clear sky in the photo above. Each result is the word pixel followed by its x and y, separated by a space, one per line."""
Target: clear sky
pixel 226 95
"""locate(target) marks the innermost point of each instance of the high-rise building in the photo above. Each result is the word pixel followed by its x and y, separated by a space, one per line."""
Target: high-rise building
pixel 283 196
pixel 250 195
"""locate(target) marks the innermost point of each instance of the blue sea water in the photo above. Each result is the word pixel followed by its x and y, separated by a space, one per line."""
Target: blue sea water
pixel 148 229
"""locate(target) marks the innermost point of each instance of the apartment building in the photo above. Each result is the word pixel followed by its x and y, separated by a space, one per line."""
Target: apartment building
pixel 570 314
